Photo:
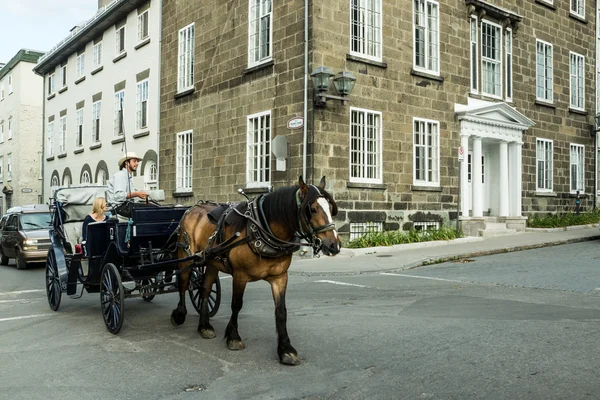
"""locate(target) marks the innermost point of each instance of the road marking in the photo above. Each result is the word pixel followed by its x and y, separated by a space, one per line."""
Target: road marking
pixel 19 300
pixel 22 291
pixel 341 283
pixel 422 277
pixel 24 317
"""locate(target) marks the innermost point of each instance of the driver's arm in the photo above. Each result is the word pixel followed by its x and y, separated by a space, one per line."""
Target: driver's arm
pixel 120 194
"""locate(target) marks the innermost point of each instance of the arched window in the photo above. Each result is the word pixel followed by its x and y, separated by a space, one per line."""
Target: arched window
pixel 101 177
pixel 68 181
pixel 85 178
pixel 54 182
pixel 151 176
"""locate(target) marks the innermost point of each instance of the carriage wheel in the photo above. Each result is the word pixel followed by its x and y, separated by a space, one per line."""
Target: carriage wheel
pixel 195 290
pixel 53 291
pixel 112 298
pixel 148 294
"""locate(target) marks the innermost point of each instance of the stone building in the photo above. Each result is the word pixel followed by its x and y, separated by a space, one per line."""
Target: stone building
pixel 511 83
pixel 20 131
pixel 107 68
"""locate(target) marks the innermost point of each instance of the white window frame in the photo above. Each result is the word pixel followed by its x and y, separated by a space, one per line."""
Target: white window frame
pixel 577 8
pixel 51 84
pixel 10 85
pixel 508 67
pixel 143 22
pixel 2 132
pixel 97 50
pixel 577 159
pixel 474 53
pixel 2 90
pixel 81 65
pixel 79 128
pixel 151 177
pixel 368 167
pixel 9 167
pixel 576 81
pixel 431 36
pixel 50 137
pixel 366 29
pixel 119 102
pixel 259 16
pixel 426 144
pixel 96 121
pixel 86 179
pixel 63 75
pixel 485 71
pixel 184 161
pixel 120 38
pixel 185 58
pixel 360 229
pixel 62 135
pixel 544 154
pixel 544 72
pixel 10 128
pixel 142 104
pixel 258 149
pixel 101 178
pixel 54 181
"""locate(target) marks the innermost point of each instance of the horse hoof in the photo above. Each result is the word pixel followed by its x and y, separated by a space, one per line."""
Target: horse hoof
pixel 289 359
pixel 177 319
pixel 235 345
pixel 207 333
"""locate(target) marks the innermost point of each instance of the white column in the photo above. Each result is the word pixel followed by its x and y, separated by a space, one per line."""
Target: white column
pixel 464 177
pixel 515 178
pixel 477 186
pixel 503 188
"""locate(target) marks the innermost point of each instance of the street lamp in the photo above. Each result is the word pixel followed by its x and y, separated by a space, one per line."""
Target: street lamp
pixel 343 84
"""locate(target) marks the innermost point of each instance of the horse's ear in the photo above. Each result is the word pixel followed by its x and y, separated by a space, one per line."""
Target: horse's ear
pixel 303 185
pixel 322 183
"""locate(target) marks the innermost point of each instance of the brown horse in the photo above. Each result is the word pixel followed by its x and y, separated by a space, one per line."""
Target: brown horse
pixel 259 238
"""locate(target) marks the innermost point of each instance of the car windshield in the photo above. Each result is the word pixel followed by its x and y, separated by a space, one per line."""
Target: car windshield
pixel 35 221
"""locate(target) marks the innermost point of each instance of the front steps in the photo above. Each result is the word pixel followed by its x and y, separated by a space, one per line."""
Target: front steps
pixel 493 228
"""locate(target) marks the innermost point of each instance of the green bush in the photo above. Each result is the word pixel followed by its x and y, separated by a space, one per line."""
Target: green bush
pixel 390 238
pixel 563 220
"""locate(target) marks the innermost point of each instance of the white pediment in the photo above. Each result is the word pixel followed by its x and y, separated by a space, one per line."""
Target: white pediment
pixel 499 114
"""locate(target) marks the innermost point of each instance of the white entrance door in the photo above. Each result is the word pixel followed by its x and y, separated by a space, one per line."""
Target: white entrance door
pixel 484 192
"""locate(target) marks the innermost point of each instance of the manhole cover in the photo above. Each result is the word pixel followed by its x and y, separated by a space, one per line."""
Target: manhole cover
pixel 383 255
pixel 464 261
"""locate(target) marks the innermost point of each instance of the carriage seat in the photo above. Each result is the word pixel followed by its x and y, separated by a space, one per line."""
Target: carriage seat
pixel 72 231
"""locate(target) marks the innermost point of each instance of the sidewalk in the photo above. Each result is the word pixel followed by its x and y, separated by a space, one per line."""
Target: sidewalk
pixel 407 256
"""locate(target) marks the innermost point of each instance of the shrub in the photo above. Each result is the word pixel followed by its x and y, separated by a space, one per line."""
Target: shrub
pixel 563 219
pixel 390 238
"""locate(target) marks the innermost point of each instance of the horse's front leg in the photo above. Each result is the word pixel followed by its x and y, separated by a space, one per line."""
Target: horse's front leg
pixel 204 327
pixel 178 314
pixel 234 341
pixel 287 354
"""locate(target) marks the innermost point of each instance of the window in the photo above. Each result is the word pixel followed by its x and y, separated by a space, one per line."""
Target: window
pixel 426 152
pixel 142 105
pixel 101 180
pixel 143 26
pixel 365 146
pixel 185 67
pixel 51 84
pixel 79 128
pixel 543 169
pixel 80 65
pixel 96 113
pixel 97 54
pixel 1 131
pixel 577 86
pixel 63 75
pixel 50 136
pixel 258 153
pixel 151 176
pixel 470 168
pixel 578 8
pixel 9 166
pixel 426 36
pixel 360 229
pixel 2 90
pixel 260 31
pixel 10 88
pixel 85 178
pixel 62 135
pixel 119 107
pixel 491 59
pixel 509 67
pixel 54 181
pixel 1 166
pixel 183 168
pixel 10 128
pixel 120 40
pixel 424 226
pixel 577 183
pixel 544 74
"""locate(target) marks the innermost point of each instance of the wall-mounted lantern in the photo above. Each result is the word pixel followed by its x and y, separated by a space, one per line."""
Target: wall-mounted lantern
pixel 343 84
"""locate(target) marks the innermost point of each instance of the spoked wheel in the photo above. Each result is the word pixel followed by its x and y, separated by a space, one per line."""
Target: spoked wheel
pixel 112 298
pixel 53 291
pixel 148 294
pixel 195 290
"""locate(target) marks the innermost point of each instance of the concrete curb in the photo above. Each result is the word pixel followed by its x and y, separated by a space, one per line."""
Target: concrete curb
pixel 567 228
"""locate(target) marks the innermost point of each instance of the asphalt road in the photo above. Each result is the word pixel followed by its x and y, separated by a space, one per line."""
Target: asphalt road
pixel 522 325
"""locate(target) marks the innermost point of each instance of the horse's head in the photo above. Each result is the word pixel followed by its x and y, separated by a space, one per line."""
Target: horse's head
pixel 317 209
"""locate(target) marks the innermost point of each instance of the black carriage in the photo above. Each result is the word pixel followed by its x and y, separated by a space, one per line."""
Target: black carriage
pixel 120 260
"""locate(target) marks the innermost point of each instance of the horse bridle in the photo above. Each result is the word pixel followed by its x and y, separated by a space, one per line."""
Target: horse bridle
pixel 311 235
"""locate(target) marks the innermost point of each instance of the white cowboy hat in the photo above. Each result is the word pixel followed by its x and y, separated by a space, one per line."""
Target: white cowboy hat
pixel 129 156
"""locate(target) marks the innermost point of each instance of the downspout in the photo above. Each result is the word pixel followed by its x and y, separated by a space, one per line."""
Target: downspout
pixel 305 110
pixel 597 109
pixel 158 95
pixel 43 134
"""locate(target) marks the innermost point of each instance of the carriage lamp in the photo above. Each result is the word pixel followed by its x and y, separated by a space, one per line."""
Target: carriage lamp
pixel 343 84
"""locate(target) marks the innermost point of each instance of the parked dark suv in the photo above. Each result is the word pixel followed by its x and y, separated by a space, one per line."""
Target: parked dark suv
pixel 24 235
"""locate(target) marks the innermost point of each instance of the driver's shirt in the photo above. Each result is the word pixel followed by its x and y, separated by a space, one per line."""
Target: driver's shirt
pixel 119 185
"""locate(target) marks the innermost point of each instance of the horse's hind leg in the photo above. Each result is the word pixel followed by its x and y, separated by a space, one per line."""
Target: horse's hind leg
pixel 204 327
pixel 287 354
pixel 183 281
pixel 234 341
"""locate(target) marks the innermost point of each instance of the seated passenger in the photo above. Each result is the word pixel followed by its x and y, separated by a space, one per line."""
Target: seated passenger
pixel 97 215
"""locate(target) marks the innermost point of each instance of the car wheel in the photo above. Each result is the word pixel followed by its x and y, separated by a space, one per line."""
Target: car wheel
pixel 3 259
pixel 21 264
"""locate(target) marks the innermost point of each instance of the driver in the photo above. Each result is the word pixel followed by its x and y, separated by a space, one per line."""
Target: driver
pixel 120 186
